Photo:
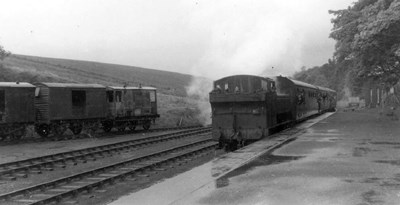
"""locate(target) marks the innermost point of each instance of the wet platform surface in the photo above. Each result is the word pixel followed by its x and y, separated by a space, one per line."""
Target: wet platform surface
pixel 347 158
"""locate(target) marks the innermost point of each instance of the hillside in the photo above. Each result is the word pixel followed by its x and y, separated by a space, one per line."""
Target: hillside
pixel 174 103
pixel 30 68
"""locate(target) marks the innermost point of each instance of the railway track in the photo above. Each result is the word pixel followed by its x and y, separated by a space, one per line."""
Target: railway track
pixel 82 136
pixel 68 187
pixel 13 170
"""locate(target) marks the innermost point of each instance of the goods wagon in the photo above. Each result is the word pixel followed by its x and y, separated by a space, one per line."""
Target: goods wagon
pixel 16 108
pixel 60 106
pixel 55 107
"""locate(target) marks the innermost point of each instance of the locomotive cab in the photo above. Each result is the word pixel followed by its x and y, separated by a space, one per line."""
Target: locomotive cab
pixel 239 108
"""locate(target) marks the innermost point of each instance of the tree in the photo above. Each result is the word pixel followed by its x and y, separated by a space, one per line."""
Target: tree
pixel 367 34
pixel 3 53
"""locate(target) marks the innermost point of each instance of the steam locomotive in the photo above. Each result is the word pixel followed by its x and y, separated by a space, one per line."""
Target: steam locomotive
pixel 55 107
pixel 246 108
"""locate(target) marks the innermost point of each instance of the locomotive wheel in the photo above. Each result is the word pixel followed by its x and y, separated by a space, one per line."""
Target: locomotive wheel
pixel 76 128
pixel 146 125
pixel 231 146
pixel 42 130
pixel 107 126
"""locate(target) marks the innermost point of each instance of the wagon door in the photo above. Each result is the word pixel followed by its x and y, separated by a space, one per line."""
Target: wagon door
pixel 110 101
pixel 118 104
pixel 153 101
pixel 78 102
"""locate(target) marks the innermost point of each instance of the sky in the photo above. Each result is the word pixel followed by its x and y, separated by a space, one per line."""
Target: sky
pixel 205 37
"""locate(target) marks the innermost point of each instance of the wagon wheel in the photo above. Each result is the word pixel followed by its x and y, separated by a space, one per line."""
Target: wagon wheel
pixel 121 128
pixel 132 126
pixel 76 128
pixel 59 129
pixel 17 135
pixel 146 125
pixel 107 126
pixel 42 130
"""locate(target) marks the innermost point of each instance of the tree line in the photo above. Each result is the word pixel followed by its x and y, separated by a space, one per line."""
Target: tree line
pixel 367 35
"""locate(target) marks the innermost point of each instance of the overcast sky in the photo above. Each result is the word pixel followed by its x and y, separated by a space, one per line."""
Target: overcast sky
pixel 212 38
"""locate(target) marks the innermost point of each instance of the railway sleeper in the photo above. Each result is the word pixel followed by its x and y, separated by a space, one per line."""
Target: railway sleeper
pixel 35 171
pixel 10 177
pixel 48 168
pixel 60 165
pixel 21 174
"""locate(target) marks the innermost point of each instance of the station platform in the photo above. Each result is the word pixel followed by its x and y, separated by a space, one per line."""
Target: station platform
pixel 341 158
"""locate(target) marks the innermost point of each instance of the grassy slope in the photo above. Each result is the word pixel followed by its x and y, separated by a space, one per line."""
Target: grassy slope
pixel 173 103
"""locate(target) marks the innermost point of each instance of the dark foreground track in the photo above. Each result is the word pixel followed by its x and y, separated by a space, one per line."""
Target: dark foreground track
pixel 70 186
pixel 22 168
pixel 82 136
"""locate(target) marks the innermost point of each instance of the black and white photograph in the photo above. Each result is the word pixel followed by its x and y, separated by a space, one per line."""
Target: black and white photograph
pixel 200 102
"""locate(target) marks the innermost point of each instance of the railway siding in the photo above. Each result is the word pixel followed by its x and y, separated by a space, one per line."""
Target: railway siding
pixel 56 190
pixel 22 168
pixel 33 139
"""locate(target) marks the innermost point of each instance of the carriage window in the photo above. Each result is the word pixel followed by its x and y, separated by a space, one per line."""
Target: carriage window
pixel 226 87
pixel 110 96
pixel 118 96
pixel 2 101
pixel 78 98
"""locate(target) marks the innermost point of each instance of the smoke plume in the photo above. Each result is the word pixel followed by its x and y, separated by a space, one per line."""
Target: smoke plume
pixel 198 90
